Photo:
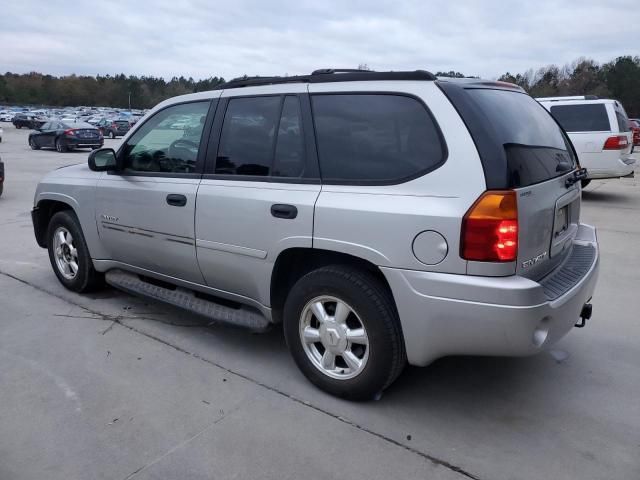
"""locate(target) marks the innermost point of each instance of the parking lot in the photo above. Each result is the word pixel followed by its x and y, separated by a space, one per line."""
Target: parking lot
pixel 114 387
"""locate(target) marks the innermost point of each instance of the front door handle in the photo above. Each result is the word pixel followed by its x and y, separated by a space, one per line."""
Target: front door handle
pixel 176 200
pixel 281 210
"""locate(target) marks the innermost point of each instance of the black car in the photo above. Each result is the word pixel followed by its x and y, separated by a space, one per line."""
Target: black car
pixel 65 136
pixel 113 128
pixel 27 120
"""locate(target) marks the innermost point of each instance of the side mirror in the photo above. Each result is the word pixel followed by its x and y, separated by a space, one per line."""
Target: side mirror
pixel 103 160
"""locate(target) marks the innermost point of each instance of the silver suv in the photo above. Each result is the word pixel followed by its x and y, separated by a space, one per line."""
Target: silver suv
pixel 382 217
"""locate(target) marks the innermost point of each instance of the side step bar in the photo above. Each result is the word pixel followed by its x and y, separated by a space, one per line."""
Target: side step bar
pixel 186 299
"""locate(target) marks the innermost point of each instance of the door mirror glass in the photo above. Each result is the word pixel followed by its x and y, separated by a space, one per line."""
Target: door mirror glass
pixel 103 160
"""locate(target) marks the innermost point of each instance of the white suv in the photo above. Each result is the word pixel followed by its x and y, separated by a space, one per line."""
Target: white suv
pixel 599 130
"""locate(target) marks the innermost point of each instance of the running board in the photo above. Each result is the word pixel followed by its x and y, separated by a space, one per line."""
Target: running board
pixel 186 299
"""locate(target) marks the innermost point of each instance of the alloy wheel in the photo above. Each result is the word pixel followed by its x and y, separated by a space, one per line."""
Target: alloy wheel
pixel 333 337
pixel 65 253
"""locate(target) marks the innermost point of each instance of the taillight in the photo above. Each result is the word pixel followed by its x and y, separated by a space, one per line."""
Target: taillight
pixel 70 133
pixel 617 142
pixel 490 228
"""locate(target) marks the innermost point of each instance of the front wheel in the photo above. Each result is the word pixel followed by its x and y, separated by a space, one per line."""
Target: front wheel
pixel 69 254
pixel 585 182
pixel 33 144
pixel 343 332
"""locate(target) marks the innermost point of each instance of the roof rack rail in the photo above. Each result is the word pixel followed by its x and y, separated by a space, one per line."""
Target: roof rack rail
pixel 321 71
pixel 572 97
pixel 329 75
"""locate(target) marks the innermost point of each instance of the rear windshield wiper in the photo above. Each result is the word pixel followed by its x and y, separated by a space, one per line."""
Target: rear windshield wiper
pixel 578 175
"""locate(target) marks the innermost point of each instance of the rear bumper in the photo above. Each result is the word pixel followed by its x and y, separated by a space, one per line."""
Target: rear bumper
pixel 445 314
pixel 84 142
pixel 620 168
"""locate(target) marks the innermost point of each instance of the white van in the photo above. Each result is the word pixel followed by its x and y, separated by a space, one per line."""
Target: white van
pixel 599 131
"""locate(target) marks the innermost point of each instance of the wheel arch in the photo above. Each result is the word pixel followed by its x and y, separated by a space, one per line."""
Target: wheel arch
pixel 293 263
pixel 45 209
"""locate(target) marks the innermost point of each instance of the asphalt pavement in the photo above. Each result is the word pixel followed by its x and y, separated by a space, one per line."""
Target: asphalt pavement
pixel 108 386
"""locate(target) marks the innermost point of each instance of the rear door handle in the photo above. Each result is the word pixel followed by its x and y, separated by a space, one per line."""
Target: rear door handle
pixel 281 210
pixel 176 200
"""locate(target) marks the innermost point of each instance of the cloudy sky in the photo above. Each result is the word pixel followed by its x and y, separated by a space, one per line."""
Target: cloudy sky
pixel 201 38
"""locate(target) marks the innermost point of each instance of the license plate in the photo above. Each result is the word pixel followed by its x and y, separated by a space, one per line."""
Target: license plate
pixel 562 221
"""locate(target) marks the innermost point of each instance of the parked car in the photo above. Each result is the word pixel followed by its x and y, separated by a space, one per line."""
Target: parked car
pixel 634 125
pixel 383 217
pixel 113 128
pixel 7 117
pixel 27 120
pixel 1 177
pixel 599 131
pixel 64 136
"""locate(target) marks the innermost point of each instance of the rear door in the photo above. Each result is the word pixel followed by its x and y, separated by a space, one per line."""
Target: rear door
pixel 40 137
pixel 257 198
pixel 531 155
pixel 49 134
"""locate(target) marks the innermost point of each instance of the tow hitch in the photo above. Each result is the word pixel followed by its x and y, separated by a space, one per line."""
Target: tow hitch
pixel 585 314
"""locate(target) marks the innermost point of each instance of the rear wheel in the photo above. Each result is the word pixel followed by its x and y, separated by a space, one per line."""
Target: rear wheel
pixel 18 127
pixel 112 135
pixel 585 182
pixel 343 332
pixel 69 254
pixel 61 146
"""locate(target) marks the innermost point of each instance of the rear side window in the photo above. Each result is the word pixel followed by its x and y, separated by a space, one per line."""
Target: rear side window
pixel 582 118
pixel 375 138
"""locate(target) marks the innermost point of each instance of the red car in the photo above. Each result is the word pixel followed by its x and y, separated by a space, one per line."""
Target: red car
pixel 634 125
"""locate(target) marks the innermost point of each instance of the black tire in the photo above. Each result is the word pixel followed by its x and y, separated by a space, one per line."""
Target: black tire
pixel 33 144
pixel 1 188
pixel 86 279
pixel 112 135
pixel 61 146
pixel 373 303
pixel 18 127
pixel 585 182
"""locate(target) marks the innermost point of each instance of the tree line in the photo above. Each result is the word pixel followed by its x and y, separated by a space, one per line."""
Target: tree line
pixel 619 79
pixel 105 91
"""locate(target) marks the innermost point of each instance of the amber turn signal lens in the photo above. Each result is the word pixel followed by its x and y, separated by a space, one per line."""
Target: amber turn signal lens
pixel 490 228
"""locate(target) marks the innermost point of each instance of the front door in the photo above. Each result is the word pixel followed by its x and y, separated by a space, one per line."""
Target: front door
pixel 258 198
pixel 145 213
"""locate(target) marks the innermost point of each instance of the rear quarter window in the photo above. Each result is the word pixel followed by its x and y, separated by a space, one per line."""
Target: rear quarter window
pixel 375 138
pixel 623 121
pixel 582 118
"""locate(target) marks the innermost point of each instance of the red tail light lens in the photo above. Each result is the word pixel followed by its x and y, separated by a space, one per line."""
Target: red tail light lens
pixel 490 228
pixel 618 142
pixel 70 133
